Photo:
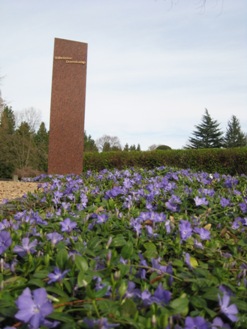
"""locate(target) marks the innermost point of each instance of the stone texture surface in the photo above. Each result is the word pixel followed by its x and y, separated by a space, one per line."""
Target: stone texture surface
pixel 67 107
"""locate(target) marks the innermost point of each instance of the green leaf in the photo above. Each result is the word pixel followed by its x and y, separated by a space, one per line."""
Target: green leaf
pixel 118 241
pixel 128 309
pixel 62 317
pixel 151 251
pixel 83 279
pixel 36 282
pixel 180 305
pixel 100 293
pixel 81 263
pixel 41 274
pixel 211 294
pixel 57 291
pixel 198 302
pixel 127 250
pixel 61 259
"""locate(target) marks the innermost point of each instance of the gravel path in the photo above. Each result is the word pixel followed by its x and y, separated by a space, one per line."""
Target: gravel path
pixel 12 190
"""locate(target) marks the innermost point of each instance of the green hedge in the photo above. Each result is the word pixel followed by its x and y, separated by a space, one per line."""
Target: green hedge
pixel 6 170
pixel 224 161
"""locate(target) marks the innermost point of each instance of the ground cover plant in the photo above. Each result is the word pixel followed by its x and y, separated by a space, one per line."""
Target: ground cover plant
pixel 161 248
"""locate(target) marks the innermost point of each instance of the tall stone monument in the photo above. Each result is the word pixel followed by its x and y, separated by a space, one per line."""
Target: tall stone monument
pixel 67 115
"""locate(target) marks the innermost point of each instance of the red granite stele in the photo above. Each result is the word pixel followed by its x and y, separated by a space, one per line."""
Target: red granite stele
pixel 66 136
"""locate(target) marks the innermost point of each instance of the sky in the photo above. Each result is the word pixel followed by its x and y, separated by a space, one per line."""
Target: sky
pixel 153 65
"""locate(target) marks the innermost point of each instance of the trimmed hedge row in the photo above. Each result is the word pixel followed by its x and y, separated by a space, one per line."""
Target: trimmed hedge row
pixel 223 161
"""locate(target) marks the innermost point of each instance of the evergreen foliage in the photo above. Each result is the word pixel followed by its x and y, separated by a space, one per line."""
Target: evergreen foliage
pixel 234 136
pixel 163 147
pixel 7 122
pixel 41 140
pixel 207 134
pixel 89 143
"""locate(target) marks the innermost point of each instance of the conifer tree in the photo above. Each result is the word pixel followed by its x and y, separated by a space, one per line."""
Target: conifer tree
pixel 234 136
pixel 89 143
pixel 207 134
pixel 41 140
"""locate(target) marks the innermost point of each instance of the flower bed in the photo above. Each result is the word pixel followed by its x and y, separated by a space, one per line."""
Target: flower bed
pixel 135 248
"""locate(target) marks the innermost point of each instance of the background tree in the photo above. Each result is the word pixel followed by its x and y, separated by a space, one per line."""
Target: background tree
pixel 163 147
pixel 207 134
pixel 25 148
pixel 126 147
pixel 1 102
pixel 152 147
pixel 89 143
pixel 29 115
pixel 41 140
pixel 7 122
pixel 7 154
pixel 234 136
pixel 108 143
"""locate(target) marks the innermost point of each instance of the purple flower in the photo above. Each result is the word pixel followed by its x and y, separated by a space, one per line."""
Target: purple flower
pixel 200 201
pixel 26 247
pixel 54 237
pixel 56 197
pixel 172 203
pixel 132 291
pixel 146 297
pixel 187 260
pixel 185 229
pixel 102 218
pixel 33 307
pixel 218 323
pixel 204 234
pixel 58 275
pixel 67 225
pixel 115 191
pixel 135 223
pixel 101 323
pixel 5 241
pixel 156 265
pixel 230 311
pixel 161 296
pixel 224 202
pixel 243 207
pixel 196 323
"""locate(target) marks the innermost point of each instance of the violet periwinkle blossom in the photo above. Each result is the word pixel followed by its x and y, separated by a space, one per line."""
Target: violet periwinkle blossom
pixel 132 291
pixel 146 298
pixel 57 197
pixel 200 201
pixel 33 307
pixel 229 311
pixel 243 207
pixel 187 260
pixel 67 225
pixel 100 324
pixel 137 226
pixel 173 203
pixel 115 191
pixel 54 238
pixel 27 247
pixel 224 202
pixel 196 323
pixel 5 241
pixel 57 275
pixel 218 323
pixel 185 229
pixel 161 296
pixel 156 265
pixel 204 234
